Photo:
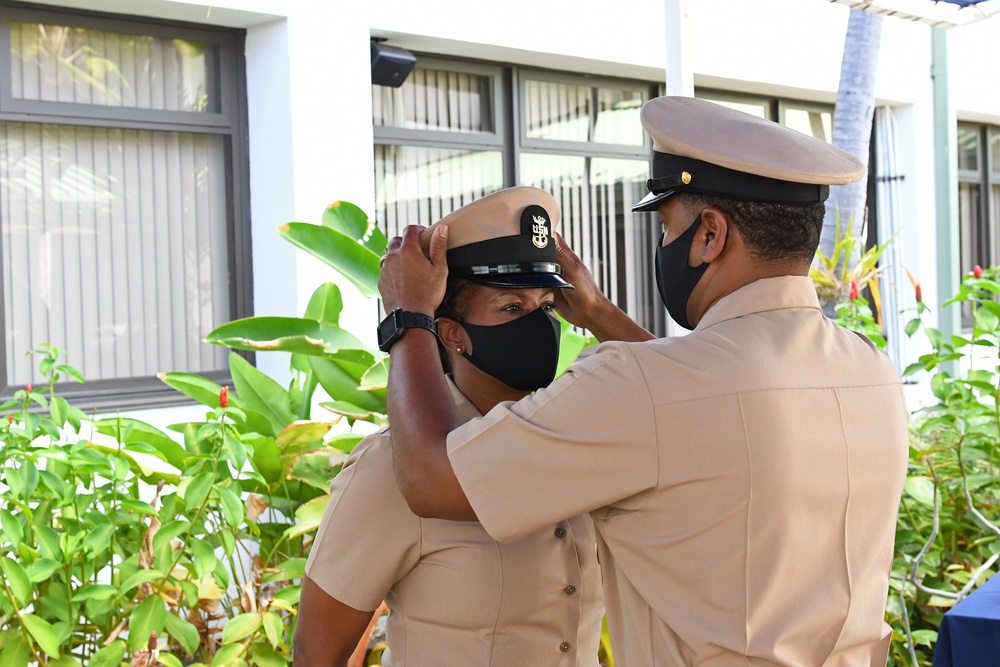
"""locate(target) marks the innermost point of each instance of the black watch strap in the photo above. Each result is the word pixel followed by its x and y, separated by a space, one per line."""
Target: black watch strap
pixel 395 324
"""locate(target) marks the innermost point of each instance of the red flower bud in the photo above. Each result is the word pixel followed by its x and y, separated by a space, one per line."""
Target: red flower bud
pixel 853 296
pixel 919 294
pixel 224 397
pixel 10 419
pixel 977 271
pixel 27 388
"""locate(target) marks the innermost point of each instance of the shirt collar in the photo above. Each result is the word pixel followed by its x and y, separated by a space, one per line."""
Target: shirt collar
pixel 761 296
pixel 466 410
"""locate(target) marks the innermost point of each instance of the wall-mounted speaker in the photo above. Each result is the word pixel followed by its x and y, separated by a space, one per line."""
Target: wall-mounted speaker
pixel 391 64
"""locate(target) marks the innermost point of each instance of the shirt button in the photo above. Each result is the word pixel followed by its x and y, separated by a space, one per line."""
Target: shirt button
pixel 570 590
pixel 565 647
pixel 560 532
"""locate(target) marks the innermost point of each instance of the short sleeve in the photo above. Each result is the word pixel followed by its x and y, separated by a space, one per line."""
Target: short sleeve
pixel 585 442
pixel 368 539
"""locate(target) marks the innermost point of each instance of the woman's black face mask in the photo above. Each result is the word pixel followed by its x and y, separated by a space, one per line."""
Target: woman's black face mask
pixel 522 353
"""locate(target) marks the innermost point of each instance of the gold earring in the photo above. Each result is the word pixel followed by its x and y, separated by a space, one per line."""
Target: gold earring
pixel 459 350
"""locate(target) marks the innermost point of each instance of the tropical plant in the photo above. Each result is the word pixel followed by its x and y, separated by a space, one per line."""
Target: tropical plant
pixel 947 539
pixel 834 273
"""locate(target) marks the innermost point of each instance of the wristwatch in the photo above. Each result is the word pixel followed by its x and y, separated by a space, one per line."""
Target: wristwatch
pixel 392 328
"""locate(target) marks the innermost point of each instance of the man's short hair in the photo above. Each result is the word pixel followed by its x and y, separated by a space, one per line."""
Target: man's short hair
pixel 772 232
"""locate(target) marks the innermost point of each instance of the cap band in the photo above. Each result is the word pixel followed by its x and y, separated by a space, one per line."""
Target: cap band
pixel 500 269
pixel 685 174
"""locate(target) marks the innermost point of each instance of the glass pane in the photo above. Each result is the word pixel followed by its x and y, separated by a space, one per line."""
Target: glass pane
pixel 436 100
pixel 419 186
pixel 114 248
pixel 567 112
pixel 818 124
pixel 596 197
pixel 994 152
pixel 760 109
pixel 52 63
pixel 968 148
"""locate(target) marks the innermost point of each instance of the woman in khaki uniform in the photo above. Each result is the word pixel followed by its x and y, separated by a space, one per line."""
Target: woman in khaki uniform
pixel 457 596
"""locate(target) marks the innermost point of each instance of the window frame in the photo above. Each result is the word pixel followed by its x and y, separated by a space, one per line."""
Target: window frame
pixel 228 71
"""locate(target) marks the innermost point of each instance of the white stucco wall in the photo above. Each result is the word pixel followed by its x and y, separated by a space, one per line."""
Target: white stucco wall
pixel 309 100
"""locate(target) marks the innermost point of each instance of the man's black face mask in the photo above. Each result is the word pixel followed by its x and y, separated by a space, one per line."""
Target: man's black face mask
pixel 675 280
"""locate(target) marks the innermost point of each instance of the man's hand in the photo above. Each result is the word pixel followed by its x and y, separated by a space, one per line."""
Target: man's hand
pixel 408 279
pixel 579 305
pixel 586 306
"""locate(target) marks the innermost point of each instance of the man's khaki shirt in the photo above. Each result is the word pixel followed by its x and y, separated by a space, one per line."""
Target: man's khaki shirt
pixel 744 482
pixel 456 596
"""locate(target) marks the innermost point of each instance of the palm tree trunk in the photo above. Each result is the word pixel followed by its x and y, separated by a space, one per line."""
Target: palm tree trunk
pixel 852 126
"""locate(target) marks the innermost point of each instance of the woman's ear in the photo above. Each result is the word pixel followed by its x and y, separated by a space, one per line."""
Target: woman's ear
pixel 711 238
pixel 453 336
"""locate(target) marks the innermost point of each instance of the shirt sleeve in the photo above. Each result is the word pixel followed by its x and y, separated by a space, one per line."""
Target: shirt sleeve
pixel 368 538
pixel 585 442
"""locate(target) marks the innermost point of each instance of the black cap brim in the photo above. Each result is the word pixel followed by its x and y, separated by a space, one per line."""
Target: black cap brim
pixel 652 201
pixel 521 280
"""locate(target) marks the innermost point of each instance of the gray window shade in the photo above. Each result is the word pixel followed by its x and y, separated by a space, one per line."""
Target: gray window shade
pixel 566 112
pixel 419 186
pixel 114 247
pixel 433 99
pixel 54 63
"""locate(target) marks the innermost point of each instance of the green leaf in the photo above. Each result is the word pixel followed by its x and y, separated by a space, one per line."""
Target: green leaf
pixel 325 304
pixel 48 543
pixel 240 627
pixel 13 532
pixel 54 482
pixel 15 653
pixel 42 569
pixel 94 592
pixel 266 458
pixel 204 557
pixel 350 220
pixel 297 435
pixel 232 507
pixel 273 627
pixel 42 632
pixel 912 326
pixel 64 660
pixel 18 582
pixel 227 655
pixel 285 334
pixel 265 656
pixel 147 618
pixel 196 490
pixel 260 392
pixel 354 412
pixel 921 489
pixel 141 432
pixel 98 539
pixel 237 452
pixel 169 659
pixel 109 656
pixel 341 380
pixel 141 577
pixel 169 531
pixel 184 632
pixel 376 377
pixel 308 517
pixel 352 260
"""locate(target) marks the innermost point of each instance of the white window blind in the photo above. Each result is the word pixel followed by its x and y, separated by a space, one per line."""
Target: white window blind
pixel 114 247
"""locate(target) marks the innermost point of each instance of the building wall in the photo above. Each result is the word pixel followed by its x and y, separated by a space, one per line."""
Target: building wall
pixel 309 94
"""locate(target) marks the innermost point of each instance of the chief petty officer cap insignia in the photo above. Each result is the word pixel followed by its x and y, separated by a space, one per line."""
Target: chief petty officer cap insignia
pixel 504 239
pixel 708 149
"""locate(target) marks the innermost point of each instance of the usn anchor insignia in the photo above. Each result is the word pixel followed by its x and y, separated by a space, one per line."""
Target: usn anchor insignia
pixel 539 231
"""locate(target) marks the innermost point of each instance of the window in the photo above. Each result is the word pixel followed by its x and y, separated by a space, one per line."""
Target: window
pixel 978 199
pixel 455 131
pixel 123 230
pixel 810 118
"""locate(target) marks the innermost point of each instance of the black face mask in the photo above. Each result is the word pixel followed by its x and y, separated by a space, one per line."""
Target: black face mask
pixel 522 353
pixel 674 278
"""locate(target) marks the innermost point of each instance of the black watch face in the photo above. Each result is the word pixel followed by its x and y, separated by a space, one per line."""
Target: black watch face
pixel 387 330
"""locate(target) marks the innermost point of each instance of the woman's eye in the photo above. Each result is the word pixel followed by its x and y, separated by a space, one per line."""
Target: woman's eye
pixel 548 307
pixel 512 307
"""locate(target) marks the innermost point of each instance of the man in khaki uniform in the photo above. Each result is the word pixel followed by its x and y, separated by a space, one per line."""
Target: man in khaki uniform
pixel 743 479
